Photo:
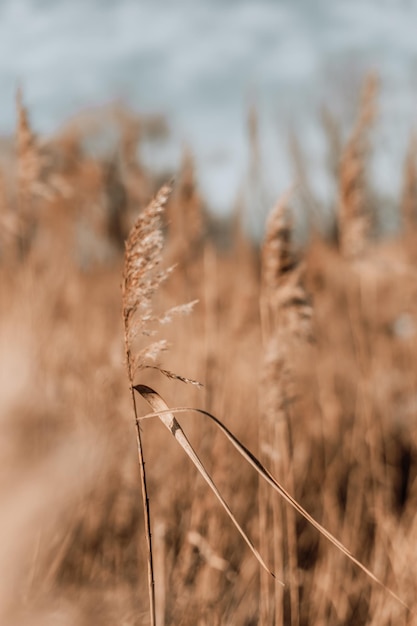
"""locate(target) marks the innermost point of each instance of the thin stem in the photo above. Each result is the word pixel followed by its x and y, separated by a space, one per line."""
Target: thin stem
pixel 147 515
pixel 145 497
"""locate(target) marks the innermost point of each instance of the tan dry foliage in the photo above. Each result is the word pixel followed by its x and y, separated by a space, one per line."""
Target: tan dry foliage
pixel 66 427
pixel 355 219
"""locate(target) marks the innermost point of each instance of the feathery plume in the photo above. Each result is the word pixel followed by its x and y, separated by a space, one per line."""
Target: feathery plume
pixel 286 323
pixel 141 278
pixel 288 306
pixel 354 216
pixel 142 273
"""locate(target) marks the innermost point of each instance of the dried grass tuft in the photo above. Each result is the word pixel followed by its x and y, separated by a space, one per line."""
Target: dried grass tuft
pixel 334 411
pixel 355 219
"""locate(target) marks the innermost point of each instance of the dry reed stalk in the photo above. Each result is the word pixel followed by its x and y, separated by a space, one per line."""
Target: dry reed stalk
pixel 367 489
pixel 277 243
pixel 211 340
pixel 354 216
pixel 142 276
pixel 327 592
pixel 286 323
pixel 362 443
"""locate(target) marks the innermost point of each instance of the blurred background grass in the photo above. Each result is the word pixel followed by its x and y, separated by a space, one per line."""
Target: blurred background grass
pixel 334 416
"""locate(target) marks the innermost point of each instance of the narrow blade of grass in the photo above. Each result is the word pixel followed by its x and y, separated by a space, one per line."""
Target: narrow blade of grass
pixel 266 475
pixel 167 418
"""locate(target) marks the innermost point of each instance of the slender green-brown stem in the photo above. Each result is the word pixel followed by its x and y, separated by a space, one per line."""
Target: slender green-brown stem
pixel 145 498
pixel 147 517
pixel 141 279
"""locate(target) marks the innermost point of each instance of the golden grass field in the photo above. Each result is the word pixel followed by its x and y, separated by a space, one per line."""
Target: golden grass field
pixel 309 356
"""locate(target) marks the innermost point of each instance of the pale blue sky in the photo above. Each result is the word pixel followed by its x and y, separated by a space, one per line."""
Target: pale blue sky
pixel 200 63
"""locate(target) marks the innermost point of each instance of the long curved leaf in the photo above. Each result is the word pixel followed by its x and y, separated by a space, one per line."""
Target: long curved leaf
pixel 167 418
pixel 266 475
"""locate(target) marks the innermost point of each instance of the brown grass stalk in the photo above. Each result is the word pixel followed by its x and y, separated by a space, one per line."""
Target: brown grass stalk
pixel 355 220
pixel 286 323
pixel 340 411
pixel 141 278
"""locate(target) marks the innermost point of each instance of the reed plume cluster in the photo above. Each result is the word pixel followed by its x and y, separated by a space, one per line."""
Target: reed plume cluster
pixel 355 216
pixel 307 355
pixel 286 324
